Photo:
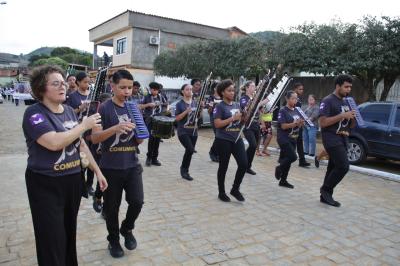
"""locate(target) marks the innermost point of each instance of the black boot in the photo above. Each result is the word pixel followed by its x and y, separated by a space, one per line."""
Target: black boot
pixel 148 161
pixel 185 174
pixel 115 249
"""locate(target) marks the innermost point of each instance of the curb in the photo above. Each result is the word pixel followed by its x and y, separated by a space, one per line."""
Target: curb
pixel 358 169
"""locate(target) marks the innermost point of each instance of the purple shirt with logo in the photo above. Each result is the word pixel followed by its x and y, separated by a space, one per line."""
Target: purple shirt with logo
pixel 330 106
pixel 119 150
pixel 224 111
pixel 286 116
pixel 39 120
pixel 183 128
pixel 75 99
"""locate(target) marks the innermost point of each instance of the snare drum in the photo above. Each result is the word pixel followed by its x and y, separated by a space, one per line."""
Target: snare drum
pixel 162 127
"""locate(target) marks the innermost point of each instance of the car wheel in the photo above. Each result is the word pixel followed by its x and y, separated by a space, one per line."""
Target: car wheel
pixel 356 152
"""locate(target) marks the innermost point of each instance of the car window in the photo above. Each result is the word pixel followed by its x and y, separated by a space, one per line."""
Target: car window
pixel 376 113
pixel 397 118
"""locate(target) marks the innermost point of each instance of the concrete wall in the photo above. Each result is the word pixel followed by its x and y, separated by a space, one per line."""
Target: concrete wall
pixel 110 27
pixel 126 58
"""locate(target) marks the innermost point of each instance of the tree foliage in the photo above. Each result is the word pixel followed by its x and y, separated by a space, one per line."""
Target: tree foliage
pixel 51 61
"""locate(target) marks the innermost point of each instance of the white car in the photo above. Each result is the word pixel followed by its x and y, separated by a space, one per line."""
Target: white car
pixel 205 115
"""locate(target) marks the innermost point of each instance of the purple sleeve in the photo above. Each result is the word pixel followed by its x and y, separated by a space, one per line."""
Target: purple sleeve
pixel 282 117
pixel 324 108
pixel 36 124
pixel 243 102
pixel 179 108
pixel 217 113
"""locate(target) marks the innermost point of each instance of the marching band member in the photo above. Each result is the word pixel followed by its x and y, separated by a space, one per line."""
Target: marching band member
pixel 53 175
pixel 187 134
pixel 120 164
pixel 153 104
pixel 227 117
pixel 211 102
pixel 289 123
pixel 335 119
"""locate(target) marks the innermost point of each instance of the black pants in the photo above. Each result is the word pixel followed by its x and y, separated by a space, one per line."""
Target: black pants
pixel 153 144
pixel 129 180
pixel 54 203
pixel 300 147
pixel 225 149
pixel 189 143
pixel 338 166
pixel 213 149
pixel 286 157
pixel 252 136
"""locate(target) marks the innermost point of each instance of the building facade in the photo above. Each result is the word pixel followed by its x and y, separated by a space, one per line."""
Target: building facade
pixel 138 38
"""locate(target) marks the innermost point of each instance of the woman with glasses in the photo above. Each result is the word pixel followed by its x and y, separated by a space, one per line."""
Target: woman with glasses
pixel 53 175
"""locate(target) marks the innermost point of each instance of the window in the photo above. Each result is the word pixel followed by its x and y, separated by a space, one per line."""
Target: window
pixel 376 113
pixel 121 46
pixel 397 118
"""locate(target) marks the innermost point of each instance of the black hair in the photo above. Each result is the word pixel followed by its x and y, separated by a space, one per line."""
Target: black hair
pixel 136 84
pixel 71 75
pixel 289 94
pixel 297 84
pixel 342 78
pixel 154 85
pixel 246 85
pixel 121 74
pixel 80 76
pixel 105 96
pixel 183 87
pixel 223 85
pixel 194 81
pixel 214 85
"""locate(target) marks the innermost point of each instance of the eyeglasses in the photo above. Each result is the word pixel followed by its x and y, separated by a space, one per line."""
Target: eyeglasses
pixel 57 84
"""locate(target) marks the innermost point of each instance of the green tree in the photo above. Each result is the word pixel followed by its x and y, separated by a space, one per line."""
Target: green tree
pixel 51 61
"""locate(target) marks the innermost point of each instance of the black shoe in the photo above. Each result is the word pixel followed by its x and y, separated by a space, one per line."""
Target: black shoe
pixel 185 174
pixel 213 157
pixel 250 171
pixel 148 162
pixel 115 249
pixel 304 164
pixel 284 183
pixel 328 199
pixel 130 241
pixel 316 162
pixel 90 191
pixel 334 203
pixel 97 205
pixel 156 162
pixel 236 193
pixel 278 172
pixel 224 197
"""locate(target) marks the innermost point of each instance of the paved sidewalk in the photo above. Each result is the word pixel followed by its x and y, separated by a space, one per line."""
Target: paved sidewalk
pixel 183 223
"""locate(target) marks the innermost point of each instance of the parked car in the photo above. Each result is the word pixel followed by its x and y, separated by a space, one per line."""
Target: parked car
pixel 380 137
pixel 205 115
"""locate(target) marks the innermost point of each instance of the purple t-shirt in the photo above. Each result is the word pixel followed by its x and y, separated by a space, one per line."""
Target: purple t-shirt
pixel 75 99
pixel 119 150
pixel 330 106
pixel 286 116
pixel 37 121
pixel 183 128
pixel 243 103
pixel 159 100
pixel 224 111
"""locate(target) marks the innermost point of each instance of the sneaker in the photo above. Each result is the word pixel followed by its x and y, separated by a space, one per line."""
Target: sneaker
pixel 115 249
pixel 278 172
pixel 304 164
pixel 236 193
pixel 130 241
pixel 284 183
pixel 316 162
pixel 224 197
pixel 156 162
pixel 97 205
pixel 250 171
pixel 148 162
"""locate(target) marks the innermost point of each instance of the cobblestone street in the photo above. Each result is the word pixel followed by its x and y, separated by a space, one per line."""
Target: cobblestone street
pixel 183 223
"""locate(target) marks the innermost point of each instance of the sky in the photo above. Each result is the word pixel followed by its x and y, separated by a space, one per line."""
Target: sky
pixel 29 24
